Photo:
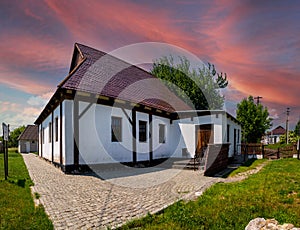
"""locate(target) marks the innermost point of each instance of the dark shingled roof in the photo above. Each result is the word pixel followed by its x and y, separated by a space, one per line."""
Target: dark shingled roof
pixel 30 133
pixel 99 73
pixel 278 131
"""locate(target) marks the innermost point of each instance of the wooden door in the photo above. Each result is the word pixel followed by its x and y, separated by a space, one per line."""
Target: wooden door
pixel 204 137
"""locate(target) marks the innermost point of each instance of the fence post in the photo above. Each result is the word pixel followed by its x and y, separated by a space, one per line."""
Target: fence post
pixel 263 151
pixel 278 154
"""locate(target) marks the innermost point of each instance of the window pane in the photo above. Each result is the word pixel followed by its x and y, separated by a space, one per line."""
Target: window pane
pixel 142 131
pixel 50 131
pixel 56 129
pixel 116 129
pixel 162 138
pixel 228 133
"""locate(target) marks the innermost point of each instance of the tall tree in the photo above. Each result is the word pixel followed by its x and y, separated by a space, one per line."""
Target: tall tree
pixel 254 119
pixel 292 137
pixel 297 128
pixel 14 135
pixel 198 88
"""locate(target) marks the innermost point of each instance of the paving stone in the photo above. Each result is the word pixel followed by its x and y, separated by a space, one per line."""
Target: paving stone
pixel 86 201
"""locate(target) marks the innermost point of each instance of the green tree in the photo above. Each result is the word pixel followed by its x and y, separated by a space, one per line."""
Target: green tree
pixel 254 119
pixel 297 128
pixel 14 135
pixel 293 138
pixel 198 88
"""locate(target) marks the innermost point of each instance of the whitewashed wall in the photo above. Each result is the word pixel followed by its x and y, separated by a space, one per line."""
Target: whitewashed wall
pixel 185 129
pixel 56 150
pixel 95 145
pixel 232 126
pixel 67 132
pixel 161 150
pixel 46 146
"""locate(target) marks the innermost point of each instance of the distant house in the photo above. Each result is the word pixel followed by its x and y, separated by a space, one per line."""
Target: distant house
pixel 272 136
pixel 108 111
pixel 28 140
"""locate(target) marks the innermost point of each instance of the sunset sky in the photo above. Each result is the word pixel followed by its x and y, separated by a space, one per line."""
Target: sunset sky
pixel 257 43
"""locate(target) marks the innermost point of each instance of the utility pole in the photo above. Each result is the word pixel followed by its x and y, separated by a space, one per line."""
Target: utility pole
pixel 287 124
pixel 257 99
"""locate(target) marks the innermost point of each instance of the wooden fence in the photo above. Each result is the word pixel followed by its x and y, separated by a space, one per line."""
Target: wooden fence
pixel 264 152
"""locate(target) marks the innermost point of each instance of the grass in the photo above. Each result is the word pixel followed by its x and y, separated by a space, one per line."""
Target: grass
pixel 248 165
pixel 16 202
pixel 274 192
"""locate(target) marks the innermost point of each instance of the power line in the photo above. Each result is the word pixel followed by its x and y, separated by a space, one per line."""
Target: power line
pixel 257 99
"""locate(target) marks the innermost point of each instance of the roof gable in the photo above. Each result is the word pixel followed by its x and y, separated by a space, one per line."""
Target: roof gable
pixel 30 133
pixel 279 130
pixel 77 58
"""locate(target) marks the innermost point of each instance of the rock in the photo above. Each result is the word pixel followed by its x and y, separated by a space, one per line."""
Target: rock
pixel 285 226
pixel 256 224
pixel 270 224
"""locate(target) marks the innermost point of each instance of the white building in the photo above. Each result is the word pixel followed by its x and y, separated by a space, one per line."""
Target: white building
pixel 28 140
pixel 273 136
pixel 108 111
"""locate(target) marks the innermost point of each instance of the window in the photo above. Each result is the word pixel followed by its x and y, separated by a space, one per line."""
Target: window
pixel 43 135
pixel 142 131
pixel 56 129
pixel 50 132
pixel 228 133
pixel 162 136
pixel 116 129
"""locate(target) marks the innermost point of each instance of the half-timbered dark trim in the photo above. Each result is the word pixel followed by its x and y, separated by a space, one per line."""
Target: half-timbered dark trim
pixel 127 116
pixel 52 137
pixel 150 139
pixel 42 139
pixel 133 114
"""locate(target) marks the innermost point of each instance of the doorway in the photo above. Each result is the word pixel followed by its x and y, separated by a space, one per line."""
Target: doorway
pixel 27 146
pixel 204 136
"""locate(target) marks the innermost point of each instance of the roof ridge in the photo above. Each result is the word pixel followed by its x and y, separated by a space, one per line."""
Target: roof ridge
pixel 109 53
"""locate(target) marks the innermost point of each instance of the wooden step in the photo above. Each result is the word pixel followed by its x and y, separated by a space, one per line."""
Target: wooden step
pixel 187 164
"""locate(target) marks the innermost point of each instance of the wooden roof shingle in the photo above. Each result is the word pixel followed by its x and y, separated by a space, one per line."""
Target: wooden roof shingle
pixel 30 133
pixel 102 74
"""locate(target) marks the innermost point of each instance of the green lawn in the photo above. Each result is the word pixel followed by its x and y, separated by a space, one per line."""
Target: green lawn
pixel 274 192
pixel 17 209
pixel 248 165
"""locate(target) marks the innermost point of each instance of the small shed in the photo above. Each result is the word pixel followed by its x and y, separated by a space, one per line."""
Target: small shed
pixel 28 140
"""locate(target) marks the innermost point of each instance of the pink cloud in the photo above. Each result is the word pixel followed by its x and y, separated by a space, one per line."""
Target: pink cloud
pixel 92 20
pixel 33 52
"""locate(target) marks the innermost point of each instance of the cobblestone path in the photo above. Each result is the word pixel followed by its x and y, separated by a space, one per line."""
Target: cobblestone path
pixel 89 202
